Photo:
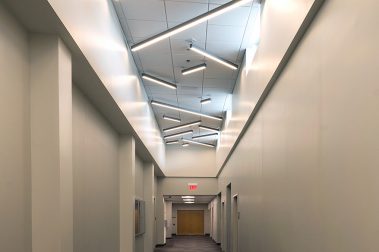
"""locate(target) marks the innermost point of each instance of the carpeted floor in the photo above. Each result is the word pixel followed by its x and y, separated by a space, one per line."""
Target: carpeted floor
pixel 189 244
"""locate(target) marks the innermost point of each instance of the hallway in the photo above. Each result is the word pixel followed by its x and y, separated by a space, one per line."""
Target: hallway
pixel 189 244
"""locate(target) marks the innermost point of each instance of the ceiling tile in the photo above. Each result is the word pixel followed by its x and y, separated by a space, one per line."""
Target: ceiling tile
pixel 236 17
pixel 159 92
pixel 226 34
pixel 214 70
pixel 184 11
pixel 144 29
pixel 228 51
pixel 197 33
pixel 145 10
pixel 187 90
pixel 217 82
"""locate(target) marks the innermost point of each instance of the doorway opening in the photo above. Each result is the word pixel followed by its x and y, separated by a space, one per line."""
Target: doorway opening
pixel 228 217
pixel 235 224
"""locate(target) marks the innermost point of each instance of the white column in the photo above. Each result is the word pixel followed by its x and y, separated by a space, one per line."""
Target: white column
pixel 127 165
pixel 148 183
pixel 51 145
pixel 160 215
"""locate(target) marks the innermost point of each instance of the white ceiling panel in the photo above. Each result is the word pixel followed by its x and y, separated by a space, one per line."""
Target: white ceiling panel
pixel 144 29
pixel 187 90
pixel 184 11
pixel 236 17
pixel 144 10
pixel 228 51
pixel 227 34
pixel 163 47
pixel 197 33
pixel 214 70
pixel 217 82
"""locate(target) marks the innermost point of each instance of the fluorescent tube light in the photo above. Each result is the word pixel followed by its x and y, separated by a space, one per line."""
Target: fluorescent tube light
pixel 158 81
pixel 172 142
pixel 179 134
pixel 169 118
pixel 194 69
pixel 208 128
pixel 190 23
pixel 204 136
pixel 188 197
pixel 164 105
pixel 192 202
pixel 185 144
pixel 182 126
pixel 199 143
pixel 206 101
pixel 213 57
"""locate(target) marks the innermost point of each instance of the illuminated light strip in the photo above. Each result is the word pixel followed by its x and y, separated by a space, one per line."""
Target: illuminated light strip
pixel 172 142
pixel 164 105
pixel 209 128
pixel 182 126
pixel 185 144
pixel 179 134
pixel 199 143
pixel 206 101
pixel 194 69
pixel 214 58
pixel 190 23
pixel 158 81
pixel 188 197
pixel 169 118
pixel 203 136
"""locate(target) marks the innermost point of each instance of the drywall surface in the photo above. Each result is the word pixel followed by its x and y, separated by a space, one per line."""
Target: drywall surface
pixel 179 186
pixel 15 221
pixel 194 161
pixel 213 207
pixel 306 171
pixel 204 207
pixel 95 161
pixel 280 21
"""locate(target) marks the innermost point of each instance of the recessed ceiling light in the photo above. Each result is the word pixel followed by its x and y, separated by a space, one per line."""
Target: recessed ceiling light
pixel 158 81
pixel 169 118
pixel 164 105
pixel 172 142
pixel 209 128
pixel 194 69
pixel 213 57
pixel 206 101
pixel 190 23
pixel 204 136
pixel 182 126
pixel 199 143
pixel 179 134
pixel 189 202
pixel 188 197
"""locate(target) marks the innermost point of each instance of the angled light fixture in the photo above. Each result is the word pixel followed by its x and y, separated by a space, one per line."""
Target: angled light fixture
pixel 213 57
pixel 204 136
pixel 158 81
pixel 179 134
pixel 185 144
pixel 199 143
pixel 164 105
pixel 172 142
pixel 206 101
pixel 194 69
pixel 173 119
pixel 182 126
pixel 190 23
pixel 209 128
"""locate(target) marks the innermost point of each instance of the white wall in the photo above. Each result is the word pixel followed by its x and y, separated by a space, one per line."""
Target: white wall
pixel 95 160
pixel 306 169
pixel 15 222
pixel 204 207
pixel 168 218
pixel 214 225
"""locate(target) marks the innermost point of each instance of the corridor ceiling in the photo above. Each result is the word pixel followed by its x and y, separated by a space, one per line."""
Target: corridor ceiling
pixel 225 36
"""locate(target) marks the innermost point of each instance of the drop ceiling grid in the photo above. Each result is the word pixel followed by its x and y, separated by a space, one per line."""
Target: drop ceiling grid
pixel 145 18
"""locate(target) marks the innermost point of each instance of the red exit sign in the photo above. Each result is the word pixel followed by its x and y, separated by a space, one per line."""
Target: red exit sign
pixel 192 186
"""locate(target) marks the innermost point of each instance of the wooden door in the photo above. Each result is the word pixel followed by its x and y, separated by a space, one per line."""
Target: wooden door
pixel 190 222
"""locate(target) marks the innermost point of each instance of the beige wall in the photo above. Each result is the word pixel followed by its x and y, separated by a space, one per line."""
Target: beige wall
pixel 95 160
pixel 306 171
pixel 15 222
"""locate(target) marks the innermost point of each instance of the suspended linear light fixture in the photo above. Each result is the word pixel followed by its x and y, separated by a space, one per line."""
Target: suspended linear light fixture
pixel 158 81
pixel 194 69
pixel 199 143
pixel 179 134
pixel 185 144
pixel 173 119
pixel 206 101
pixel 164 105
pixel 172 142
pixel 213 57
pixel 182 126
pixel 204 136
pixel 190 23
pixel 209 128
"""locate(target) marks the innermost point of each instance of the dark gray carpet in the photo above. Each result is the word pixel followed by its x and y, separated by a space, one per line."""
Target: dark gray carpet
pixel 189 244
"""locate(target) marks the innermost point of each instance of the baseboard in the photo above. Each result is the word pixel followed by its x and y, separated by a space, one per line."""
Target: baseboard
pixel 160 245
pixel 207 234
